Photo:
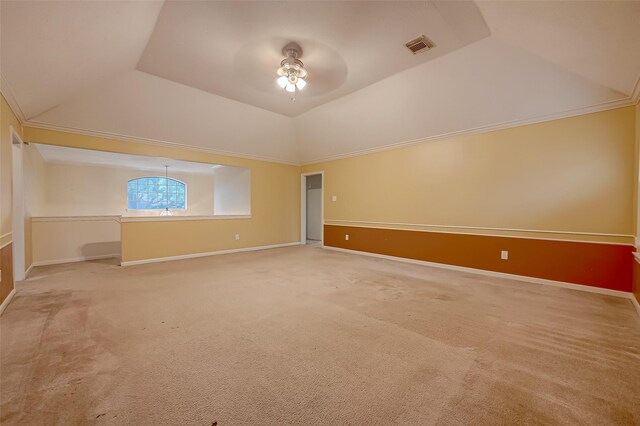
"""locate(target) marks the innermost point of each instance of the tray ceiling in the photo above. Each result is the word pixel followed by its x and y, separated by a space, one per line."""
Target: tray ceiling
pixel 202 74
pixel 233 49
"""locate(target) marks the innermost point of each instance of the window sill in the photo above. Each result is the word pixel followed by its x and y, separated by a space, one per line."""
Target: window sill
pixel 75 218
pixel 126 219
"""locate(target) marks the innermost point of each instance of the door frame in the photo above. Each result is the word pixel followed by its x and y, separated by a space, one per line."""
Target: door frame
pixel 303 207
pixel 17 205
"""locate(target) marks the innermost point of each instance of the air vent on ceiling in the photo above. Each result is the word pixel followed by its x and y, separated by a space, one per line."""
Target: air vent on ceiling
pixel 419 45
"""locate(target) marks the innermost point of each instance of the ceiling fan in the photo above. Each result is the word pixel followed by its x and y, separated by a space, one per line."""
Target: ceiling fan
pixel 292 73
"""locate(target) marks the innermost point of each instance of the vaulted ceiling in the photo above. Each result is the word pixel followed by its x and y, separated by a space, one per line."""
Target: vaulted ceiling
pixel 202 74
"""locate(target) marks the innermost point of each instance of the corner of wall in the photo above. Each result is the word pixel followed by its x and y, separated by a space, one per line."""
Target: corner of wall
pixel 8 120
pixel 636 277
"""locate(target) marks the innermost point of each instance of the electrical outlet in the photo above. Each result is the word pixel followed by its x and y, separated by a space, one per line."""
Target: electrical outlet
pixel 334 198
pixel 504 255
pixel 346 237
pixel 237 237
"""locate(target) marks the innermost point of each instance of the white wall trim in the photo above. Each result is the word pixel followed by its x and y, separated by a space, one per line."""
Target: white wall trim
pixel 210 253
pixel 604 106
pixel 636 256
pixel 133 218
pixel 635 303
pixel 486 228
pixel 635 94
pixel 74 218
pixel 390 226
pixel 6 301
pixel 28 271
pixel 126 219
pixel 5 89
pixel 543 281
pixel 74 259
pixel 157 142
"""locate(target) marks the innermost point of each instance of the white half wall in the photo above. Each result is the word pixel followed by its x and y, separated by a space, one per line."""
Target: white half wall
pixel 71 239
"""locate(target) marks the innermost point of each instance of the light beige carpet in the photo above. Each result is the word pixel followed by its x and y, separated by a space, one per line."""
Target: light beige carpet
pixel 306 336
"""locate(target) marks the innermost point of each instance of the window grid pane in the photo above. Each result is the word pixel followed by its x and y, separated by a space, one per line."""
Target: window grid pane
pixel 156 193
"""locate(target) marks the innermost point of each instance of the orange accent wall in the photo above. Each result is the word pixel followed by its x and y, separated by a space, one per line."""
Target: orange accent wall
pixel 607 266
pixel 6 269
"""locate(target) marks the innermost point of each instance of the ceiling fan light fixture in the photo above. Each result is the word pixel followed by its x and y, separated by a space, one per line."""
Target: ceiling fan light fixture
pixel 166 211
pixel 292 73
pixel 282 81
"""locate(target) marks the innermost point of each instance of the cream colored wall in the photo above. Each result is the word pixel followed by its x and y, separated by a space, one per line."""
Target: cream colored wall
pixel 91 190
pixel 232 193
pixel 35 181
pixel 7 119
pixel 59 240
pixel 275 203
pixel 184 237
pixel 565 177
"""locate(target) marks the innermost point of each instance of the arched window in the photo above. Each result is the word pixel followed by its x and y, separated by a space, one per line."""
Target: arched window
pixel 156 193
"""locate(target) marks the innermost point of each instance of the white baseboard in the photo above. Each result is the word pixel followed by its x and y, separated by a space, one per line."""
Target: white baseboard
pixel 210 253
pixel 562 284
pixel 73 259
pixel 635 303
pixel 28 271
pixel 6 301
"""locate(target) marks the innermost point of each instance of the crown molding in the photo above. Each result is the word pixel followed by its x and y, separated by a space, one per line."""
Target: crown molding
pixel 604 106
pixel 635 94
pixel 633 99
pixel 148 141
pixel 6 91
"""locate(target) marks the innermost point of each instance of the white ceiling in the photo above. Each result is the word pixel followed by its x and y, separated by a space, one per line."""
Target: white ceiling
pixel 66 155
pixel 201 74
pixel 134 103
pixel 504 85
pixel 51 50
pixel 599 40
pixel 234 48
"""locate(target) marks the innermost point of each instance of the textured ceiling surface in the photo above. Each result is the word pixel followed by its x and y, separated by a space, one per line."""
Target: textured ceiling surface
pixel 202 74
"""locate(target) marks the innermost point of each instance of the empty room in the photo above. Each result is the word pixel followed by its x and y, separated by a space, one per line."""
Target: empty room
pixel 227 213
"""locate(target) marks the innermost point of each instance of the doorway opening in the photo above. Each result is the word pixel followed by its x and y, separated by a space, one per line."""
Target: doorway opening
pixel 312 217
